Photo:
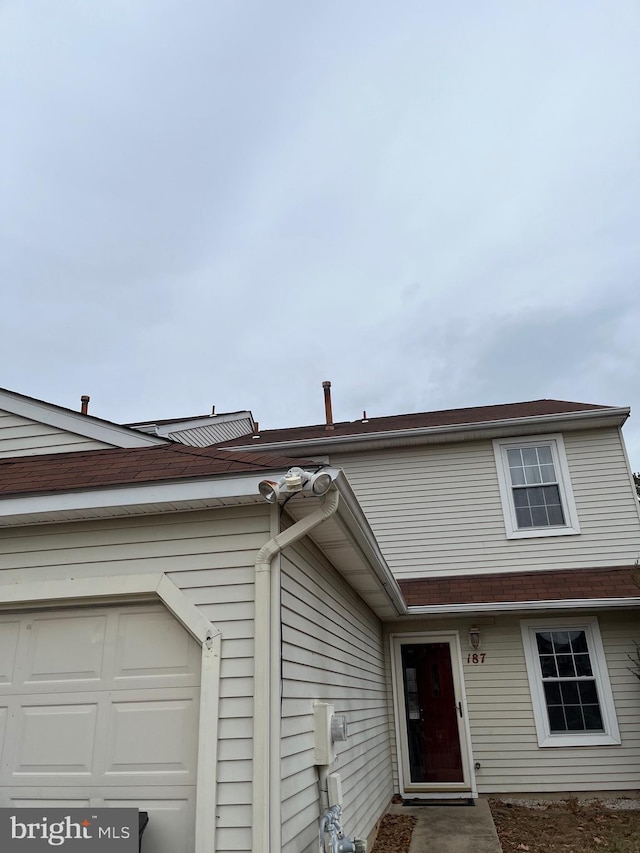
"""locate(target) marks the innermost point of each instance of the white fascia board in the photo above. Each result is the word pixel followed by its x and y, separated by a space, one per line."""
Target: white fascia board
pixel 130 496
pixel 76 422
pixel 353 518
pixel 565 420
pixel 515 606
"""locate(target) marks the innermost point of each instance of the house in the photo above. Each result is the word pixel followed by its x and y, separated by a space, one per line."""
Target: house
pixel 460 588
pixel 167 637
pixel 514 533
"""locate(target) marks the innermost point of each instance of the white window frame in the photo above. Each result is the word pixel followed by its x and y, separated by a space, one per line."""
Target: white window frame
pixel 556 444
pixel 611 733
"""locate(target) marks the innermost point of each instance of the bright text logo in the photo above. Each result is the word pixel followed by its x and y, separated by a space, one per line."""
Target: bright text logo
pixel 74 830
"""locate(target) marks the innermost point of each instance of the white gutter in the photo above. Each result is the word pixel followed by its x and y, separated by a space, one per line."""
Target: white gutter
pixel 509 606
pixel 217 489
pixel 424 432
pixel 266 724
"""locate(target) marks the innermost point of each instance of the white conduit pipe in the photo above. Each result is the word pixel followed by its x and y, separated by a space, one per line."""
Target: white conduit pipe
pixel 266 722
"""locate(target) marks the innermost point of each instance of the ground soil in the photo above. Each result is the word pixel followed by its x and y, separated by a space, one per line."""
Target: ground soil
pixel 566 827
pixel 394 834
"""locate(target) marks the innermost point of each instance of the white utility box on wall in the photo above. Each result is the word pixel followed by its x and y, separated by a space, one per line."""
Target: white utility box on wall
pixel 327 729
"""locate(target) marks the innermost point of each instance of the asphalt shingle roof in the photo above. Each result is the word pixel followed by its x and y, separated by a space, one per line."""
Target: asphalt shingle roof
pixel 552 585
pixel 58 472
pixel 442 418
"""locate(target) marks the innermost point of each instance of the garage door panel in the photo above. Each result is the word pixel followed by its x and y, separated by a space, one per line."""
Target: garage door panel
pixel 153 645
pixel 171 827
pixel 9 632
pixel 65 648
pixel 152 737
pixel 99 707
pixel 171 817
pixel 54 739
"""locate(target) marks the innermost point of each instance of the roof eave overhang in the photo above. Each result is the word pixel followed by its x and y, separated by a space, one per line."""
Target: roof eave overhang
pixel 489 607
pixel 131 499
pixel 354 520
pixel 353 532
pixel 86 426
pixel 362 564
pixel 565 422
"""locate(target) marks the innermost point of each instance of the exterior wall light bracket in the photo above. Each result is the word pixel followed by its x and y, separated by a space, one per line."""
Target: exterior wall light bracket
pixel 295 480
pixel 474 637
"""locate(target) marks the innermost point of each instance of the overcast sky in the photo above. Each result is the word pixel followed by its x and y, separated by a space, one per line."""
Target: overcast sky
pixel 226 202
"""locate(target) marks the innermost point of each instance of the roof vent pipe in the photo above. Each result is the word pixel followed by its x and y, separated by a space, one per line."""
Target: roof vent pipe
pixel 84 404
pixel 327 404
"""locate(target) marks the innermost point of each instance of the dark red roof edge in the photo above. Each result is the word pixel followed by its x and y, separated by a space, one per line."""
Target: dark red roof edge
pixel 542 585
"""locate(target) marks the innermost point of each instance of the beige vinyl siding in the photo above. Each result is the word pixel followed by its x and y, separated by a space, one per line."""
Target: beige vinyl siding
pixel 210 556
pixel 332 651
pixel 436 510
pixel 23 437
pixel 503 732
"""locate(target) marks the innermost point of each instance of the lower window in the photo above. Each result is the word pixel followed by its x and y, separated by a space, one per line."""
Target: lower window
pixel 570 689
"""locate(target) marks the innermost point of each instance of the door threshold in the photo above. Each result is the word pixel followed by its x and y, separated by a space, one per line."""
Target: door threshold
pixel 460 801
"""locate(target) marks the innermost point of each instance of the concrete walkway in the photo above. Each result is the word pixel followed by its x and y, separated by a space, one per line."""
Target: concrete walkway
pixel 452 829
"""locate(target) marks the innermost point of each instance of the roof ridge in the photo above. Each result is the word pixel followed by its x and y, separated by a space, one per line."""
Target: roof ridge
pixel 416 414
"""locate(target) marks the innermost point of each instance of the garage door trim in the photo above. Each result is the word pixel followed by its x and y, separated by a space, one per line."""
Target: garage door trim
pixel 118 589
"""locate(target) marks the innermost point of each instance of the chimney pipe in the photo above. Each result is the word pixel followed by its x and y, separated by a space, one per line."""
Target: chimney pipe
pixel 327 405
pixel 84 404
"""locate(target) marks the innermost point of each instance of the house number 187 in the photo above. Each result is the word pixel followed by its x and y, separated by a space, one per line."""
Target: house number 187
pixel 475 657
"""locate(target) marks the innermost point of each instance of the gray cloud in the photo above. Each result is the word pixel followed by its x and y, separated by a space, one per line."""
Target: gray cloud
pixel 430 205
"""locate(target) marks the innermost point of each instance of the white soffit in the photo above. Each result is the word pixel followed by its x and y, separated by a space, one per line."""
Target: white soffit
pixel 349 543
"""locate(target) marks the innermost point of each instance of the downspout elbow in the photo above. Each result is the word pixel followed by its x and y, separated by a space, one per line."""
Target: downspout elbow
pixel 292 534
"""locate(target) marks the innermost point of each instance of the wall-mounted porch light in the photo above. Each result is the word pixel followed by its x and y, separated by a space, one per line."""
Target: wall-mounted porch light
pixel 474 637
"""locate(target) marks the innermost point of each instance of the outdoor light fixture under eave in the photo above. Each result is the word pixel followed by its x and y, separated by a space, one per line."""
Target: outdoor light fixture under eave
pixel 269 490
pixel 319 483
pixel 295 480
pixel 474 637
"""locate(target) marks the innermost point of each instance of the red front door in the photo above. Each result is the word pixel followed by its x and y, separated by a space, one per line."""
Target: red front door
pixel 431 709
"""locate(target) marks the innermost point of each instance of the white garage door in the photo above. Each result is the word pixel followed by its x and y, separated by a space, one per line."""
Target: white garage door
pixel 99 707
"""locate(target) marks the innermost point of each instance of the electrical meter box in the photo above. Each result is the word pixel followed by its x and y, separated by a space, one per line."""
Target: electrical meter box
pixel 327 729
pixel 323 751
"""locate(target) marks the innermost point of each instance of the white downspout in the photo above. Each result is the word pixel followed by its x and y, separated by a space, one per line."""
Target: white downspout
pixel 266 719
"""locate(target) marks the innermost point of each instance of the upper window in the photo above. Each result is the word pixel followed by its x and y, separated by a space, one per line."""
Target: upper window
pixel 535 488
pixel 570 690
